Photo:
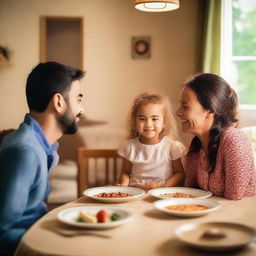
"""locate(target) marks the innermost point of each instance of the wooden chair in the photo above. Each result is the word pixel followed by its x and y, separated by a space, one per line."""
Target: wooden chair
pixel 3 133
pixel 97 167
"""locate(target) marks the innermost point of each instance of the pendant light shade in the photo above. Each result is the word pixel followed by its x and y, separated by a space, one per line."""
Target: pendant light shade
pixel 156 5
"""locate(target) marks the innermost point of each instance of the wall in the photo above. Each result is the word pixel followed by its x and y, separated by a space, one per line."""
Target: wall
pixel 113 78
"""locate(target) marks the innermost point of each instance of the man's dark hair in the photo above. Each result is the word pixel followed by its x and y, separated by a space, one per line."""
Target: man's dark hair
pixel 45 80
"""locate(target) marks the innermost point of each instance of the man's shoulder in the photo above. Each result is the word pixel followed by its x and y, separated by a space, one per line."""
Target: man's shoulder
pixel 21 146
pixel 22 138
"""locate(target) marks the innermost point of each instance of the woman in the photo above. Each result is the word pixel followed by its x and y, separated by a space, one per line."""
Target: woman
pixel 220 157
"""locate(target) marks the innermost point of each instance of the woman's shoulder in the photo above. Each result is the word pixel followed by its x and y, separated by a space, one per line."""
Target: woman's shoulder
pixel 232 134
pixel 235 137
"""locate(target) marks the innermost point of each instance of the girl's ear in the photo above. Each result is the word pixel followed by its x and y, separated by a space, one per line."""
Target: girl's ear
pixel 59 103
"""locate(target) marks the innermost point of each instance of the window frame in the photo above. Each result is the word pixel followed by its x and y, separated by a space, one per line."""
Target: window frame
pixel 226 53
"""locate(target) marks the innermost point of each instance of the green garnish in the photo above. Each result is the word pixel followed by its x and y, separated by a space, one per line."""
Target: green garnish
pixel 79 219
pixel 115 217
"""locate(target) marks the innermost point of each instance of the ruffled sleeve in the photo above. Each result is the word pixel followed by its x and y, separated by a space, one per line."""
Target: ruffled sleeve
pixel 125 150
pixel 177 149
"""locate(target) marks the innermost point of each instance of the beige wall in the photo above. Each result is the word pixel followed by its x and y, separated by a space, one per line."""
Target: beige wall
pixel 113 77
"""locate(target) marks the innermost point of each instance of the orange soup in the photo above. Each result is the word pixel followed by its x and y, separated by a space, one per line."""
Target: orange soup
pixel 187 207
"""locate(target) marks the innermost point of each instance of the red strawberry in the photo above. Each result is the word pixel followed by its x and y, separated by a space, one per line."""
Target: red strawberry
pixel 102 216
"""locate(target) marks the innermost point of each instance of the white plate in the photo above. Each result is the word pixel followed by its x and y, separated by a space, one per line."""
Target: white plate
pixel 211 204
pixel 69 216
pixel 236 235
pixel 199 193
pixel 136 193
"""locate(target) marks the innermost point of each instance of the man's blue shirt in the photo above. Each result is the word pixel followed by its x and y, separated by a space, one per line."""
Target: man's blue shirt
pixel 26 159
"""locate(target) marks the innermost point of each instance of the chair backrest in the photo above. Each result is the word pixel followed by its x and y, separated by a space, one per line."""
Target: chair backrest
pixel 3 133
pixel 97 167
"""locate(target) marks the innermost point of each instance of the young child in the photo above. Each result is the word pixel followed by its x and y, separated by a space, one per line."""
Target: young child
pixel 151 155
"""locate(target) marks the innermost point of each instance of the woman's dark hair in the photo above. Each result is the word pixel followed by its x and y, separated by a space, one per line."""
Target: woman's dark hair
pixel 45 80
pixel 216 95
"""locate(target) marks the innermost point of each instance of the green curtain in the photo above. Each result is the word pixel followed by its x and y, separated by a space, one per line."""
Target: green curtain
pixel 211 37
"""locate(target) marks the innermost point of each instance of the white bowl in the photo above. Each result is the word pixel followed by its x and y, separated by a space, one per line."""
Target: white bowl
pixel 235 235
pixel 198 193
pixel 211 204
pixel 135 192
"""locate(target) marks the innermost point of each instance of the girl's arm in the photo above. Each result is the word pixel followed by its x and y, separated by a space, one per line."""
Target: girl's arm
pixel 124 178
pixel 177 179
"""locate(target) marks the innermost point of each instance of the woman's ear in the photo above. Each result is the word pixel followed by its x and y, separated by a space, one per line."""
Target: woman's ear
pixel 210 114
pixel 59 103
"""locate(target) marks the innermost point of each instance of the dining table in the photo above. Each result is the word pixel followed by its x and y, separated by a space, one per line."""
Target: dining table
pixel 151 232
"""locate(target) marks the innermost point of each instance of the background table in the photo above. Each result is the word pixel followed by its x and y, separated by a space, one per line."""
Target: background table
pixel 150 233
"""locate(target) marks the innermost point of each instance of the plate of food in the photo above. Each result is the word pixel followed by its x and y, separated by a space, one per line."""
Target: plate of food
pixel 95 217
pixel 114 194
pixel 187 207
pixel 178 192
pixel 216 236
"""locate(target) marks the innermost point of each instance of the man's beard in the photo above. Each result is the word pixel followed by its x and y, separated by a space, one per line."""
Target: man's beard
pixel 68 124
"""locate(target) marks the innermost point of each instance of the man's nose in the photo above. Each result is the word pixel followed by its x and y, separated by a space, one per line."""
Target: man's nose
pixel 82 110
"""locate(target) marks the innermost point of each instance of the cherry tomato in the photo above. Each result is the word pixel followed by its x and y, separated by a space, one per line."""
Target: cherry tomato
pixel 102 216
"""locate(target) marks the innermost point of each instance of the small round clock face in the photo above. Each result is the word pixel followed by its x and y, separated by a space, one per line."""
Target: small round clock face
pixel 141 47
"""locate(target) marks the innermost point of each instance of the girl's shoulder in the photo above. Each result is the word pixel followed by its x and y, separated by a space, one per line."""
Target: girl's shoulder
pixel 127 148
pixel 174 143
pixel 129 143
pixel 176 148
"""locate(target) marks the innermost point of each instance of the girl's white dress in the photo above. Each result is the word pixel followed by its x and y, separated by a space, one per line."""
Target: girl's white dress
pixel 151 163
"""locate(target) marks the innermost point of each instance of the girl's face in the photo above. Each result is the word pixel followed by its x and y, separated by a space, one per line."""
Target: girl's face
pixel 149 123
pixel 194 118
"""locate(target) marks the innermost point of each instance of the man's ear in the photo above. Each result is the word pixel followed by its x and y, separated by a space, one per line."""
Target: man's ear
pixel 59 103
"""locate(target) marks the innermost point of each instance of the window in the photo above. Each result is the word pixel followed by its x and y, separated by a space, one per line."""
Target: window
pixel 238 51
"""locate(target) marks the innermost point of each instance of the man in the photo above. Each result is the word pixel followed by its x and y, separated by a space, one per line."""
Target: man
pixel 28 154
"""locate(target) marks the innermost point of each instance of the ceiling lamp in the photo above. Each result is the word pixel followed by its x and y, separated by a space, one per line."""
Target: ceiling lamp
pixel 156 5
